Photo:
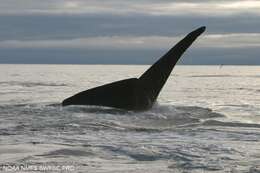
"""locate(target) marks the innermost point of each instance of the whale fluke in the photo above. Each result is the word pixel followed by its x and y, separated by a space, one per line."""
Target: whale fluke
pixel 136 94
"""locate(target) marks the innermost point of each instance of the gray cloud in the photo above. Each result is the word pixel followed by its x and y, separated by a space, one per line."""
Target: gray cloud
pixel 123 7
pixel 35 27
pixel 136 31
pixel 202 56
pixel 239 40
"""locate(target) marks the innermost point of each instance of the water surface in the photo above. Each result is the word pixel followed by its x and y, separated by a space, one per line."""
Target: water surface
pixel 207 119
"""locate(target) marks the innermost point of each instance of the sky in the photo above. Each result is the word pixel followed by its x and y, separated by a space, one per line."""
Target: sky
pixel 128 31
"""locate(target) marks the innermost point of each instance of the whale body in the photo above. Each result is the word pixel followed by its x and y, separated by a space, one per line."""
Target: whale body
pixel 137 94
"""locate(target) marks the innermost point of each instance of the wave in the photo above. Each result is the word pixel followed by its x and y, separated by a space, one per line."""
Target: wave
pixel 225 75
pixel 31 84
pixel 67 152
pixel 214 76
pixel 230 124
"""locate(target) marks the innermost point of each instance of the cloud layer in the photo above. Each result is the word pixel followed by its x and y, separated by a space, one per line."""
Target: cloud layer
pixel 119 26
pixel 123 7
pixel 239 40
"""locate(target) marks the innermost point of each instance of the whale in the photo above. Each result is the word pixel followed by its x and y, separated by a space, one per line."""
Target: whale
pixel 136 94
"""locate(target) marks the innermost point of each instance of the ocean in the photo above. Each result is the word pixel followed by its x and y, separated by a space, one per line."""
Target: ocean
pixel 206 119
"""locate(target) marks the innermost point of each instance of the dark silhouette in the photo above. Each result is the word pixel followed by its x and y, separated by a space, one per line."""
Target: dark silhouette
pixel 136 94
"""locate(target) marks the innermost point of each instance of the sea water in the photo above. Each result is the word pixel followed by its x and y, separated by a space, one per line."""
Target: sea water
pixel 206 119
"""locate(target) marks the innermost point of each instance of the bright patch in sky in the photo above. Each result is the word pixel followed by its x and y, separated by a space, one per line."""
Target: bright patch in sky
pixel 242 5
pixel 71 4
pixel 214 8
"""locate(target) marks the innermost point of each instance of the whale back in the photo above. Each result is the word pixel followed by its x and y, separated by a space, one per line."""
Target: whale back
pixel 119 94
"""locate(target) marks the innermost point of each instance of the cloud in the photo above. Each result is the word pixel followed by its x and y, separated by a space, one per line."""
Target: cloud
pixel 210 8
pixel 123 7
pixel 238 40
pixel 197 56
pixel 52 28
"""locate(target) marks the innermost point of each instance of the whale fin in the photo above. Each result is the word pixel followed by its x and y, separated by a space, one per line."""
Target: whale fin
pixel 155 77
pixel 136 94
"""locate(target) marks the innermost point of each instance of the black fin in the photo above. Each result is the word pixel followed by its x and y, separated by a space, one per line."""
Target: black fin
pixel 156 76
pixel 136 94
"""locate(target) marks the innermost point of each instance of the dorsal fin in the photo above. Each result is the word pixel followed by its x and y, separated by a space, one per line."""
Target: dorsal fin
pixel 155 77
